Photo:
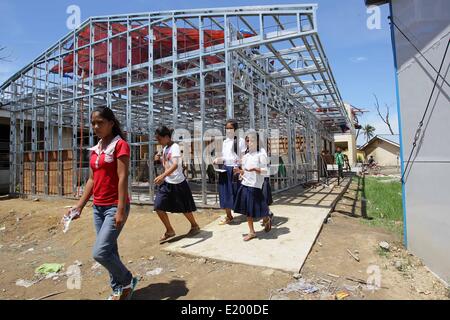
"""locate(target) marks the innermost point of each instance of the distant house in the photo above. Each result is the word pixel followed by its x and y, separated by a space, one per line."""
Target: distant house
pixel 385 148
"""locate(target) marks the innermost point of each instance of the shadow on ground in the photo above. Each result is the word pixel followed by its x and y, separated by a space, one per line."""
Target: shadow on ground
pixel 355 205
pixel 162 291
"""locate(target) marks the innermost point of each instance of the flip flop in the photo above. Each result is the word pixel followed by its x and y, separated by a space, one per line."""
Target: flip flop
pixel 167 236
pixel 226 221
pixel 249 237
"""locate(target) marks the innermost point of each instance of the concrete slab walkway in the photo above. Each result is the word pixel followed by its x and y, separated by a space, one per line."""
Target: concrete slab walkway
pixel 299 215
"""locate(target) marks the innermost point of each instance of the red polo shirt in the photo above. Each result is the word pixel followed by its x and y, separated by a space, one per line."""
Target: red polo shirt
pixel 104 168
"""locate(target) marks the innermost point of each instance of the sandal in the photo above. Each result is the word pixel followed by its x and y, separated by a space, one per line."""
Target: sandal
pixel 226 221
pixel 249 237
pixel 167 236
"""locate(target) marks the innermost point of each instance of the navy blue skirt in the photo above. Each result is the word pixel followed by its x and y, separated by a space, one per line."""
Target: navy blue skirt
pixel 251 202
pixel 175 198
pixel 227 188
pixel 267 191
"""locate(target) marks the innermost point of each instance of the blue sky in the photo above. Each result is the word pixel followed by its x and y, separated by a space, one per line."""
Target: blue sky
pixel 361 59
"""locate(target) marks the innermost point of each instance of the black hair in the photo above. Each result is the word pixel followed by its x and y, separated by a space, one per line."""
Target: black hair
pixel 108 114
pixel 164 131
pixel 234 123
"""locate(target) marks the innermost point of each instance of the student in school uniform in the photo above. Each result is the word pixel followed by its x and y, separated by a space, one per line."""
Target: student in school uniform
pixel 232 150
pixel 266 188
pixel 108 183
pixel 174 194
pixel 250 200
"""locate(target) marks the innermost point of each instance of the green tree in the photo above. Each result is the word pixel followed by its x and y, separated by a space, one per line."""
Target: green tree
pixel 368 131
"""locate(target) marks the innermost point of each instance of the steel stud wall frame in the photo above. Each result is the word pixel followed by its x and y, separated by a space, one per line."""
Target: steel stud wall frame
pixel 188 69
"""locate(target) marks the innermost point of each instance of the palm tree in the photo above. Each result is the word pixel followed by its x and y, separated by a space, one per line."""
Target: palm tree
pixel 368 131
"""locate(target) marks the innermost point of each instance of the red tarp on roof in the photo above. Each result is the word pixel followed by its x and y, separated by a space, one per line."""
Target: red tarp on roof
pixel 188 40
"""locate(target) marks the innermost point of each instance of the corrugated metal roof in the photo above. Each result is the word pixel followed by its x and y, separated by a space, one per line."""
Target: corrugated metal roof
pixel 392 138
pixel 395 138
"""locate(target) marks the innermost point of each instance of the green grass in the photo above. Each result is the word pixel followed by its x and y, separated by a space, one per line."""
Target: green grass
pixel 382 253
pixel 384 203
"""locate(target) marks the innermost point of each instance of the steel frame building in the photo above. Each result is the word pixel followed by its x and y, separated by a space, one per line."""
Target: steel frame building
pixel 264 66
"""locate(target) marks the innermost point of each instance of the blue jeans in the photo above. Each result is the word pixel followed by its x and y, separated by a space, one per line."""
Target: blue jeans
pixel 106 251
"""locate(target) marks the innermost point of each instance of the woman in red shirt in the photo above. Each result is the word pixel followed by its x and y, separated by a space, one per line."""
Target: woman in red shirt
pixel 108 183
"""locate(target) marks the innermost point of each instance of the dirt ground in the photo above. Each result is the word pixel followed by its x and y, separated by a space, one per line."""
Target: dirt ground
pixel 30 235
pixel 401 275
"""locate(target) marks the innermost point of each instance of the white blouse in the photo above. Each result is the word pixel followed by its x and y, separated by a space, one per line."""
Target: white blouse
pixel 254 160
pixel 170 154
pixel 230 158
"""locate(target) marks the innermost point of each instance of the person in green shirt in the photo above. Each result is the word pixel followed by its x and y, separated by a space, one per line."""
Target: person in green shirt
pixel 339 157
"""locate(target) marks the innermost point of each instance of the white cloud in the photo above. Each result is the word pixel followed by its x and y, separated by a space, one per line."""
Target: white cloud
pixel 358 59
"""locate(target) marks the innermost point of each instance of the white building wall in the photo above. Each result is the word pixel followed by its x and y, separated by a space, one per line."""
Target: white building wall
pixel 426 190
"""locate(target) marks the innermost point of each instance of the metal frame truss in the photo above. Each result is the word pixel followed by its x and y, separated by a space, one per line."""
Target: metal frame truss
pixel 263 65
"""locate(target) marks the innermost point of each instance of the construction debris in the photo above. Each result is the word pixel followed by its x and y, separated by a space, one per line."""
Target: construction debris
pixel 25 283
pixel 301 285
pixel 353 256
pixel 384 245
pixel 49 268
pixel 341 295
pixel 51 275
pixel 154 272
pixel 50 295
pixel 356 280
pixel 398 265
